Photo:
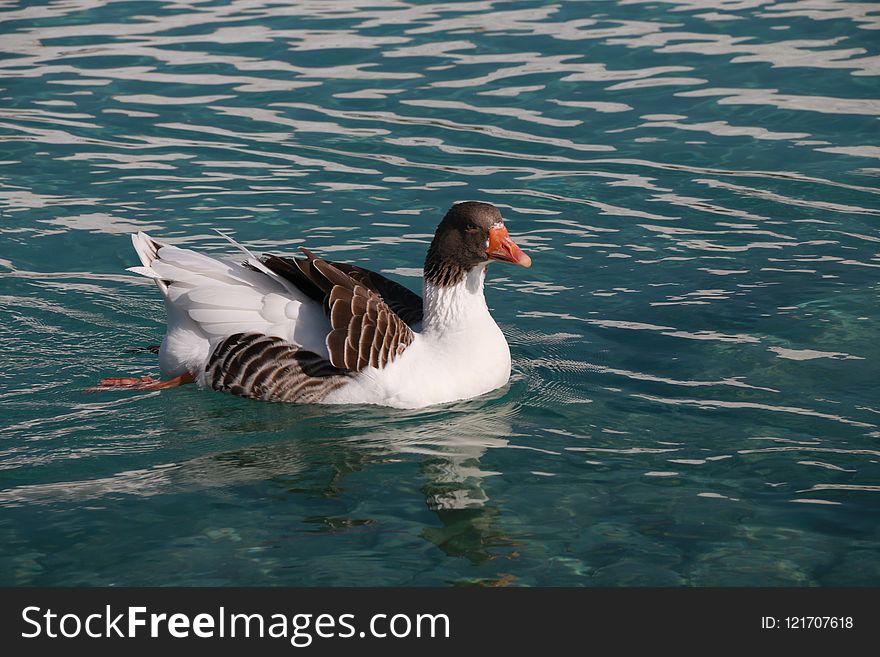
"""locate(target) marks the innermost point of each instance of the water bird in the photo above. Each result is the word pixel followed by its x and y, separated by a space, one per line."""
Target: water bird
pixel 309 330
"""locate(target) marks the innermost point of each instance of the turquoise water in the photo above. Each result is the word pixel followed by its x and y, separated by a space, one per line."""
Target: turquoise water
pixel 695 390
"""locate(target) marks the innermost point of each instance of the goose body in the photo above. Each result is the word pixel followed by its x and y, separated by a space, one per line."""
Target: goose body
pixel 311 331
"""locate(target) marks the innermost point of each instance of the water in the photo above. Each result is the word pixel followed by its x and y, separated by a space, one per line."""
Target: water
pixel 695 389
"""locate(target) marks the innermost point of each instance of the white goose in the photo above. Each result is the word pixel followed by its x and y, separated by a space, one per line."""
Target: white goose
pixel 311 331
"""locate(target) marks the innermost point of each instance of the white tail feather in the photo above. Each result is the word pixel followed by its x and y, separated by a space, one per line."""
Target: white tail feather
pixel 147 250
pixel 252 260
pixel 211 298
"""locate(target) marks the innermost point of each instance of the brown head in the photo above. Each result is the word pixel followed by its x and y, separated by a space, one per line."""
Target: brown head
pixel 471 233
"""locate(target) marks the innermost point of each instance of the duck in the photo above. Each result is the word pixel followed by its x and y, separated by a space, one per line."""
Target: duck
pixel 309 330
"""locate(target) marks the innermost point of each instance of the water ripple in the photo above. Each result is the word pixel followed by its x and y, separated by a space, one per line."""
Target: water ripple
pixel 694 351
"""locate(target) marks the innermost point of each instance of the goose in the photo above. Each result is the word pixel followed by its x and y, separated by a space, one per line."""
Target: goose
pixel 308 330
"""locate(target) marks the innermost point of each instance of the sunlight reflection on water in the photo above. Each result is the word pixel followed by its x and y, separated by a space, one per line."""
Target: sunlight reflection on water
pixel 694 395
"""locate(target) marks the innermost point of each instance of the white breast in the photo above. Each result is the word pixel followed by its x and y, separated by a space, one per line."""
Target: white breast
pixel 459 353
pixel 433 371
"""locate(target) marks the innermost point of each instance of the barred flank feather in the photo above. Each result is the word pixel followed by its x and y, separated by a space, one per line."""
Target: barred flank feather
pixel 269 368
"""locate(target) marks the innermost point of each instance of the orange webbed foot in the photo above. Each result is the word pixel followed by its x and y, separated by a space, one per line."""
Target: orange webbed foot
pixel 142 383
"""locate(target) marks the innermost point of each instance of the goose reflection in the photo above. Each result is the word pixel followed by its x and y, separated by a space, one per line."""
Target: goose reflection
pixel 449 444
pixel 304 451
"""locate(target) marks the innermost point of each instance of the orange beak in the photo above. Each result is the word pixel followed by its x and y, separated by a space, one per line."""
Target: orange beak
pixel 502 248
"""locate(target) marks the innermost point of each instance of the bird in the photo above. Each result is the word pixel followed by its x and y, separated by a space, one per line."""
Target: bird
pixel 308 330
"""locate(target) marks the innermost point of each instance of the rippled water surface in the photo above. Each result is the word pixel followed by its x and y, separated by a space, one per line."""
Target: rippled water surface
pixel 695 390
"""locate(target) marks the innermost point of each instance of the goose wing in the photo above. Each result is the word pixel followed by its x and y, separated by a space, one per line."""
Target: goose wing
pixel 367 329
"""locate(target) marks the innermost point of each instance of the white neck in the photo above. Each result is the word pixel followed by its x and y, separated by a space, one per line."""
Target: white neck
pixel 457 307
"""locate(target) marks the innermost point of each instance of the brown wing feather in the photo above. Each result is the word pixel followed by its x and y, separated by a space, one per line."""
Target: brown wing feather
pixel 366 327
pixel 301 272
pixel 403 302
pixel 365 331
